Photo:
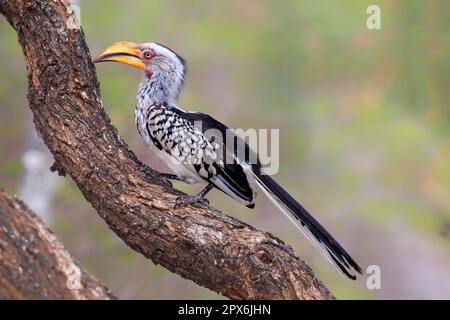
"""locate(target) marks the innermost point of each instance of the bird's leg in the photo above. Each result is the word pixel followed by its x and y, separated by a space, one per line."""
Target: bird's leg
pixel 200 197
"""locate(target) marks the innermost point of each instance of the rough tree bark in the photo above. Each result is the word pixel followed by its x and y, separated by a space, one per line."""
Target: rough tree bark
pixel 34 263
pixel 197 242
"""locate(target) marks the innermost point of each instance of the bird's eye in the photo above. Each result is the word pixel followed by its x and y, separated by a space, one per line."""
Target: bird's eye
pixel 148 54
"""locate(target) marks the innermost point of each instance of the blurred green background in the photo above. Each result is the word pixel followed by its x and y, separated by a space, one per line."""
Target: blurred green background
pixel 364 122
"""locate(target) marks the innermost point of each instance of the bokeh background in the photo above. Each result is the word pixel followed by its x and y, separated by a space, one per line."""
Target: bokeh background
pixel 364 118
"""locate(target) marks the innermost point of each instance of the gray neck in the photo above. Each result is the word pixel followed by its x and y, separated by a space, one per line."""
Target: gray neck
pixel 160 88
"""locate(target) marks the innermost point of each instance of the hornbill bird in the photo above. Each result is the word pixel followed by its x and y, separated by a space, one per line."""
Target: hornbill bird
pixel 183 141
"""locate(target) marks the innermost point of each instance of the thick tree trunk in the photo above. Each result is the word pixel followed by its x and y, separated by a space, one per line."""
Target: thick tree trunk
pixel 33 262
pixel 197 242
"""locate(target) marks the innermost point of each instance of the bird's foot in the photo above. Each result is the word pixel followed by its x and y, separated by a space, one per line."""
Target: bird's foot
pixel 185 200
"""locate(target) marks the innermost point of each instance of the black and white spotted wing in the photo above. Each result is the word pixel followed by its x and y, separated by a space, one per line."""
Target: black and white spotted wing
pixel 184 136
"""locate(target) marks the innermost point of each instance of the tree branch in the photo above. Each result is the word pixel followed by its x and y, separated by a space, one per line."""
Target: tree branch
pixel 33 262
pixel 197 242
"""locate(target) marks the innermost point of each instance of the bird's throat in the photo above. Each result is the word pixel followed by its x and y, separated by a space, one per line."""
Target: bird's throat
pixel 148 73
pixel 155 90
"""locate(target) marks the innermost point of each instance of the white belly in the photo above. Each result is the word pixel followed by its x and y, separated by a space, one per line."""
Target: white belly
pixel 184 172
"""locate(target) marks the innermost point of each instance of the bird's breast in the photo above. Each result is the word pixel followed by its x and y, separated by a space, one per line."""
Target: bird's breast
pixel 176 142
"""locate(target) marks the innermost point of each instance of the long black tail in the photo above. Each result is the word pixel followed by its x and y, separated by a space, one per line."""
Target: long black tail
pixel 312 229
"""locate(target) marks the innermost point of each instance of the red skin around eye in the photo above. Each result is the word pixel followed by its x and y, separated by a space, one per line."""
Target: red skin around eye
pixel 146 53
pixel 148 72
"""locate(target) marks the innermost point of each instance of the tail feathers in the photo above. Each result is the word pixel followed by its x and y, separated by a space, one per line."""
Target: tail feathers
pixel 312 229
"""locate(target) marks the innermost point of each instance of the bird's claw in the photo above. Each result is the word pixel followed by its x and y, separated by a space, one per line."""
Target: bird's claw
pixel 185 200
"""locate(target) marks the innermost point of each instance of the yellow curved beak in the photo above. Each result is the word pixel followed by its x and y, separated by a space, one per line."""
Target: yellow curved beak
pixel 123 52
